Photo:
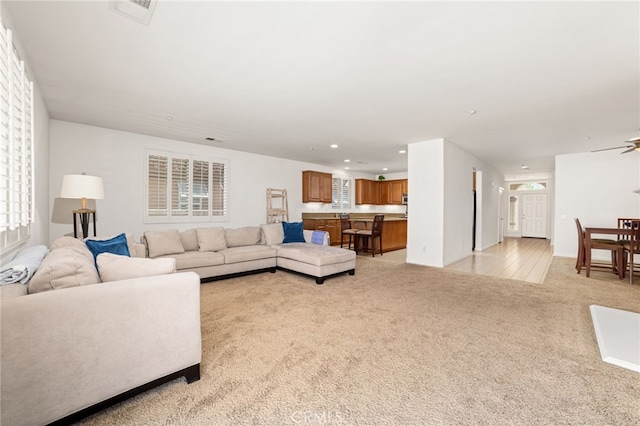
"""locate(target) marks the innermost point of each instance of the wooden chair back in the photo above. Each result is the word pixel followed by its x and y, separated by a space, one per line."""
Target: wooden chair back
pixel 345 223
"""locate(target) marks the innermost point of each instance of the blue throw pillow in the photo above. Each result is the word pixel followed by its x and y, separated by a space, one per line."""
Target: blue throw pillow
pixel 293 232
pixel 317 237
pixel 115 245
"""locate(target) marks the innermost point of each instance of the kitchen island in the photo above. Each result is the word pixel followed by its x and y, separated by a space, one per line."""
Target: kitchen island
pixel 394 228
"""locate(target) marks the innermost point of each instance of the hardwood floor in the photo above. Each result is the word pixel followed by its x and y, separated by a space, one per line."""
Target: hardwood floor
pixel 525 259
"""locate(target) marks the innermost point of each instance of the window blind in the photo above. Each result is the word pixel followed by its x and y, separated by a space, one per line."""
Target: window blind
pixel 16 144
pixel 194 188
pixel 340 193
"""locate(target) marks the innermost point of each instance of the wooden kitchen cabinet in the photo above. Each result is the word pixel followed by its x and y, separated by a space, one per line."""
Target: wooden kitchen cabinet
pixel 332 226
pixel 316 187
pixel 367 191
pixel 380 192
pixel 394 235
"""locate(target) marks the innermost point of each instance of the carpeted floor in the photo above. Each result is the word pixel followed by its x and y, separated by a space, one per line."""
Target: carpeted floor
pixel 400 344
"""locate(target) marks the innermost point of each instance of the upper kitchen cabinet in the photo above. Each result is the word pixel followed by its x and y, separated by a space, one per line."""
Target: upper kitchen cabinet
pixel 316 187
pixel 391 191
pixel 367 191
pixel 380 192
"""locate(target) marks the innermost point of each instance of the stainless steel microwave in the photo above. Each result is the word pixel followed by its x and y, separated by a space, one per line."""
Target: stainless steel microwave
pixel 405 198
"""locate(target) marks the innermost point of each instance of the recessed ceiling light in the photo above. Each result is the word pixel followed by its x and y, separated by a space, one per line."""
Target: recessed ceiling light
pixel 586 138
pixel 524 167
pixel 347 161
pixel 169 118
pixel 473 111
pixel 334 146
pixel 310 149
pixel 346 168
pixel 402 151
pixel 384 169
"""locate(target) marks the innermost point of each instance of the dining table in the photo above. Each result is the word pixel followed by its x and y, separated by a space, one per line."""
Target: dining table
pixel 633 237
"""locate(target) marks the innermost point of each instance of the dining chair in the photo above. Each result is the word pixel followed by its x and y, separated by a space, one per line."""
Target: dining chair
pixel 618 259
pixel 371 234
pixel 631 242
pixel 346 230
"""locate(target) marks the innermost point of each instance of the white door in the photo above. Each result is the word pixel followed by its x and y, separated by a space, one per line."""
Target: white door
pixel 534 215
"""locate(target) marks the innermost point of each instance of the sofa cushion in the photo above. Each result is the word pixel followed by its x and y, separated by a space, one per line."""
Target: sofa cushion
pixel 113 267
pixel 247 253
pixel 211 239
pixel 196 259
pixel 273 233
pixel 69 263
pixel 115 245
pixel 247 236
pixel 189 240
pixel 293 232
pixel 163 242
pixel 315 254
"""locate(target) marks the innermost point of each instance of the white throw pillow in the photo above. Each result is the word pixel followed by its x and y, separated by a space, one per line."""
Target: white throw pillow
pixel 211 239
pixel 273 233
pixel 114 267
pixel 163 242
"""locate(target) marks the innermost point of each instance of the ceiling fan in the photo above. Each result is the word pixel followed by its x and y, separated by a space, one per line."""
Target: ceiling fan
pixel 634 146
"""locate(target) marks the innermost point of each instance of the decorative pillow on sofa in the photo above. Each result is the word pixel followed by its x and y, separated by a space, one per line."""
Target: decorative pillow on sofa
pixel 189 240
pixel 247 236
pixel 273 233
pixel 211 239
pixel 163 242
pixel 293 232
pixel 131 242
pixel 113 267
pixel 69 263
pixel 115 245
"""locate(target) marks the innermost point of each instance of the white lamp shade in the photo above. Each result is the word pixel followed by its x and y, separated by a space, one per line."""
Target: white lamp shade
pixel 82 186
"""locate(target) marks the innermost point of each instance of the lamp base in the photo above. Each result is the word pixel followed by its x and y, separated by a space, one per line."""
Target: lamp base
pixel 84 215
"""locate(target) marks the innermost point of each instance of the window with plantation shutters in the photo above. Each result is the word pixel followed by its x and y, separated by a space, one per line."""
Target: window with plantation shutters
pixel 16 145
pixel 157 185
pixel 184 188
pixel 341 193
pixel 200 182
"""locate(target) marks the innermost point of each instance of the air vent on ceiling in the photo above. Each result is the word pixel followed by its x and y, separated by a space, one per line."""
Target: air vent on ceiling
pixel 138 10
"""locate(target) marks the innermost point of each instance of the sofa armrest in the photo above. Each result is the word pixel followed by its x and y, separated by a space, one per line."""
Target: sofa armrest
pixel 64 350
pixel 308 233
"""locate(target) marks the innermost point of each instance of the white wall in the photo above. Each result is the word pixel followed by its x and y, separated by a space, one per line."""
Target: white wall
pixel 441 207
pixel 425 234
pixel 118 157
pixel 40 225
pixel 595 187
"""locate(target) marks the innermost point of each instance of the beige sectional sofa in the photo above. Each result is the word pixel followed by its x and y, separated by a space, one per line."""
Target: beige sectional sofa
pixel 216 253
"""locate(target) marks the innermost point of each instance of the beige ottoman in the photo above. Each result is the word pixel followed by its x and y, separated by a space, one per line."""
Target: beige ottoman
pixel 319 261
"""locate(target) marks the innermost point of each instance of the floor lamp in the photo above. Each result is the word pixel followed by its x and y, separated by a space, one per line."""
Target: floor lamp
pixel 83 187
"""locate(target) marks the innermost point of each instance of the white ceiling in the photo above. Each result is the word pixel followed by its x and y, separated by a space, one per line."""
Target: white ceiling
pixel 288 79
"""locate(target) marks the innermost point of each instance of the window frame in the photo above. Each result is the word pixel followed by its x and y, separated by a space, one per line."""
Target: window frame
pixel 17 147
pixel 344 200
pixel 187 215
